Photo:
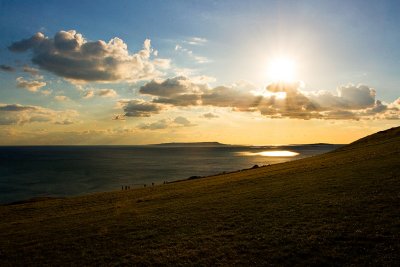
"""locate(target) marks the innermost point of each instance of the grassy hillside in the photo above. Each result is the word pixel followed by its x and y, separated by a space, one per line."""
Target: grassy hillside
pixel 340 208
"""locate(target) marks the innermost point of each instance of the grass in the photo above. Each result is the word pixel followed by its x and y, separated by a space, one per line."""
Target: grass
pixel 340 208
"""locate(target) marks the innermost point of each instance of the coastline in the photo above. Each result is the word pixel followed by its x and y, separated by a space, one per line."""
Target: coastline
pixel 312 211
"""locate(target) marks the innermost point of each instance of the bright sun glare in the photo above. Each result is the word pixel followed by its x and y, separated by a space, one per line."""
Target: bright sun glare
pixel 281 70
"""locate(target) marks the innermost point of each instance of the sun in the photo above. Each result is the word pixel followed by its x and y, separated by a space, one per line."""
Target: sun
pixel 281 69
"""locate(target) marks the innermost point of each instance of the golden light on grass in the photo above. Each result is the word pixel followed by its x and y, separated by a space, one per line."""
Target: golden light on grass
pixel 271 153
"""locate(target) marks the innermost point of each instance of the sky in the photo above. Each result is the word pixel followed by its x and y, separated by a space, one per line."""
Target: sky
pixel 236 72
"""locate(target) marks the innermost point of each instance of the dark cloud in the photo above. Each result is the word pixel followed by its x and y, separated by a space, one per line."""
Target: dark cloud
pixel 69 55
pixel 177 91
pixel 210 115
pixel 179 100
pixel 181 91
pixel 16 107
pixel 100 92
pixel 183 121
pixel 139 108
pixel 169 87
pixel 7 68
pixel 25 44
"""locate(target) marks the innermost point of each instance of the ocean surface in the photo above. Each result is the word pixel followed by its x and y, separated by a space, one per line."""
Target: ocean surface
pixel 59 171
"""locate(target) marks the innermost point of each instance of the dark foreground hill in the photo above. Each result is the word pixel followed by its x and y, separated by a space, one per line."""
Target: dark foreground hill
pixel 340 208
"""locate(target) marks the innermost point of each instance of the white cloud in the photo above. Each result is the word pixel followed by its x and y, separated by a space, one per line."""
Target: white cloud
pixel 189 53
pixel 162 63
pixel 68 54
pixel 196 41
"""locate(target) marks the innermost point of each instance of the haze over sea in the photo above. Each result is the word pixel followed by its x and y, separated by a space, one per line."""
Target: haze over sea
pixel 59 171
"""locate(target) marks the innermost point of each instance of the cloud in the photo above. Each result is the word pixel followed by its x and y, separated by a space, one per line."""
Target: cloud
pixel 183 121
pixel 7 68
pixel 119 117
pixel 32 71
pixel 177 91
pixel 16 107
pixel 139 108
pixel 210 115
pixel 189 53
pixel 61 98
pixel 278 100
pixel 65 122
pixel 196 41
pixel 182 91
pixel 350 102
pixel 169 87
pixel 161 124
pixel 360 96
pixel 107 93
pixel 110 93
pixel 231 96
pixel 46 92
pixel 166 123
pixel 32 85
pixel 68 54
pixel 347 97
pixel 162 63
pixel 181 100
pixel 22 114
pixel 88 94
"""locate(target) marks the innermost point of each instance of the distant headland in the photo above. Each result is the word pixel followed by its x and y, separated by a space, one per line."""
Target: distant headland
pixel 192 144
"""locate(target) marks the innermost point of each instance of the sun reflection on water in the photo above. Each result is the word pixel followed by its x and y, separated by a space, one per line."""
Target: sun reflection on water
pixel 271 153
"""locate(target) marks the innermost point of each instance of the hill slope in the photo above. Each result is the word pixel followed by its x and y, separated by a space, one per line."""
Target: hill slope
pixel 340 208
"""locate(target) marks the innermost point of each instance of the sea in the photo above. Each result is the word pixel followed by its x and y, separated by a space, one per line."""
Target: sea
pixel 60 171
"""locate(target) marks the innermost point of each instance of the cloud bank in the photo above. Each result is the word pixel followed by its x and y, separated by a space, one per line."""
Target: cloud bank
pixel 278 100
pixel 22 114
